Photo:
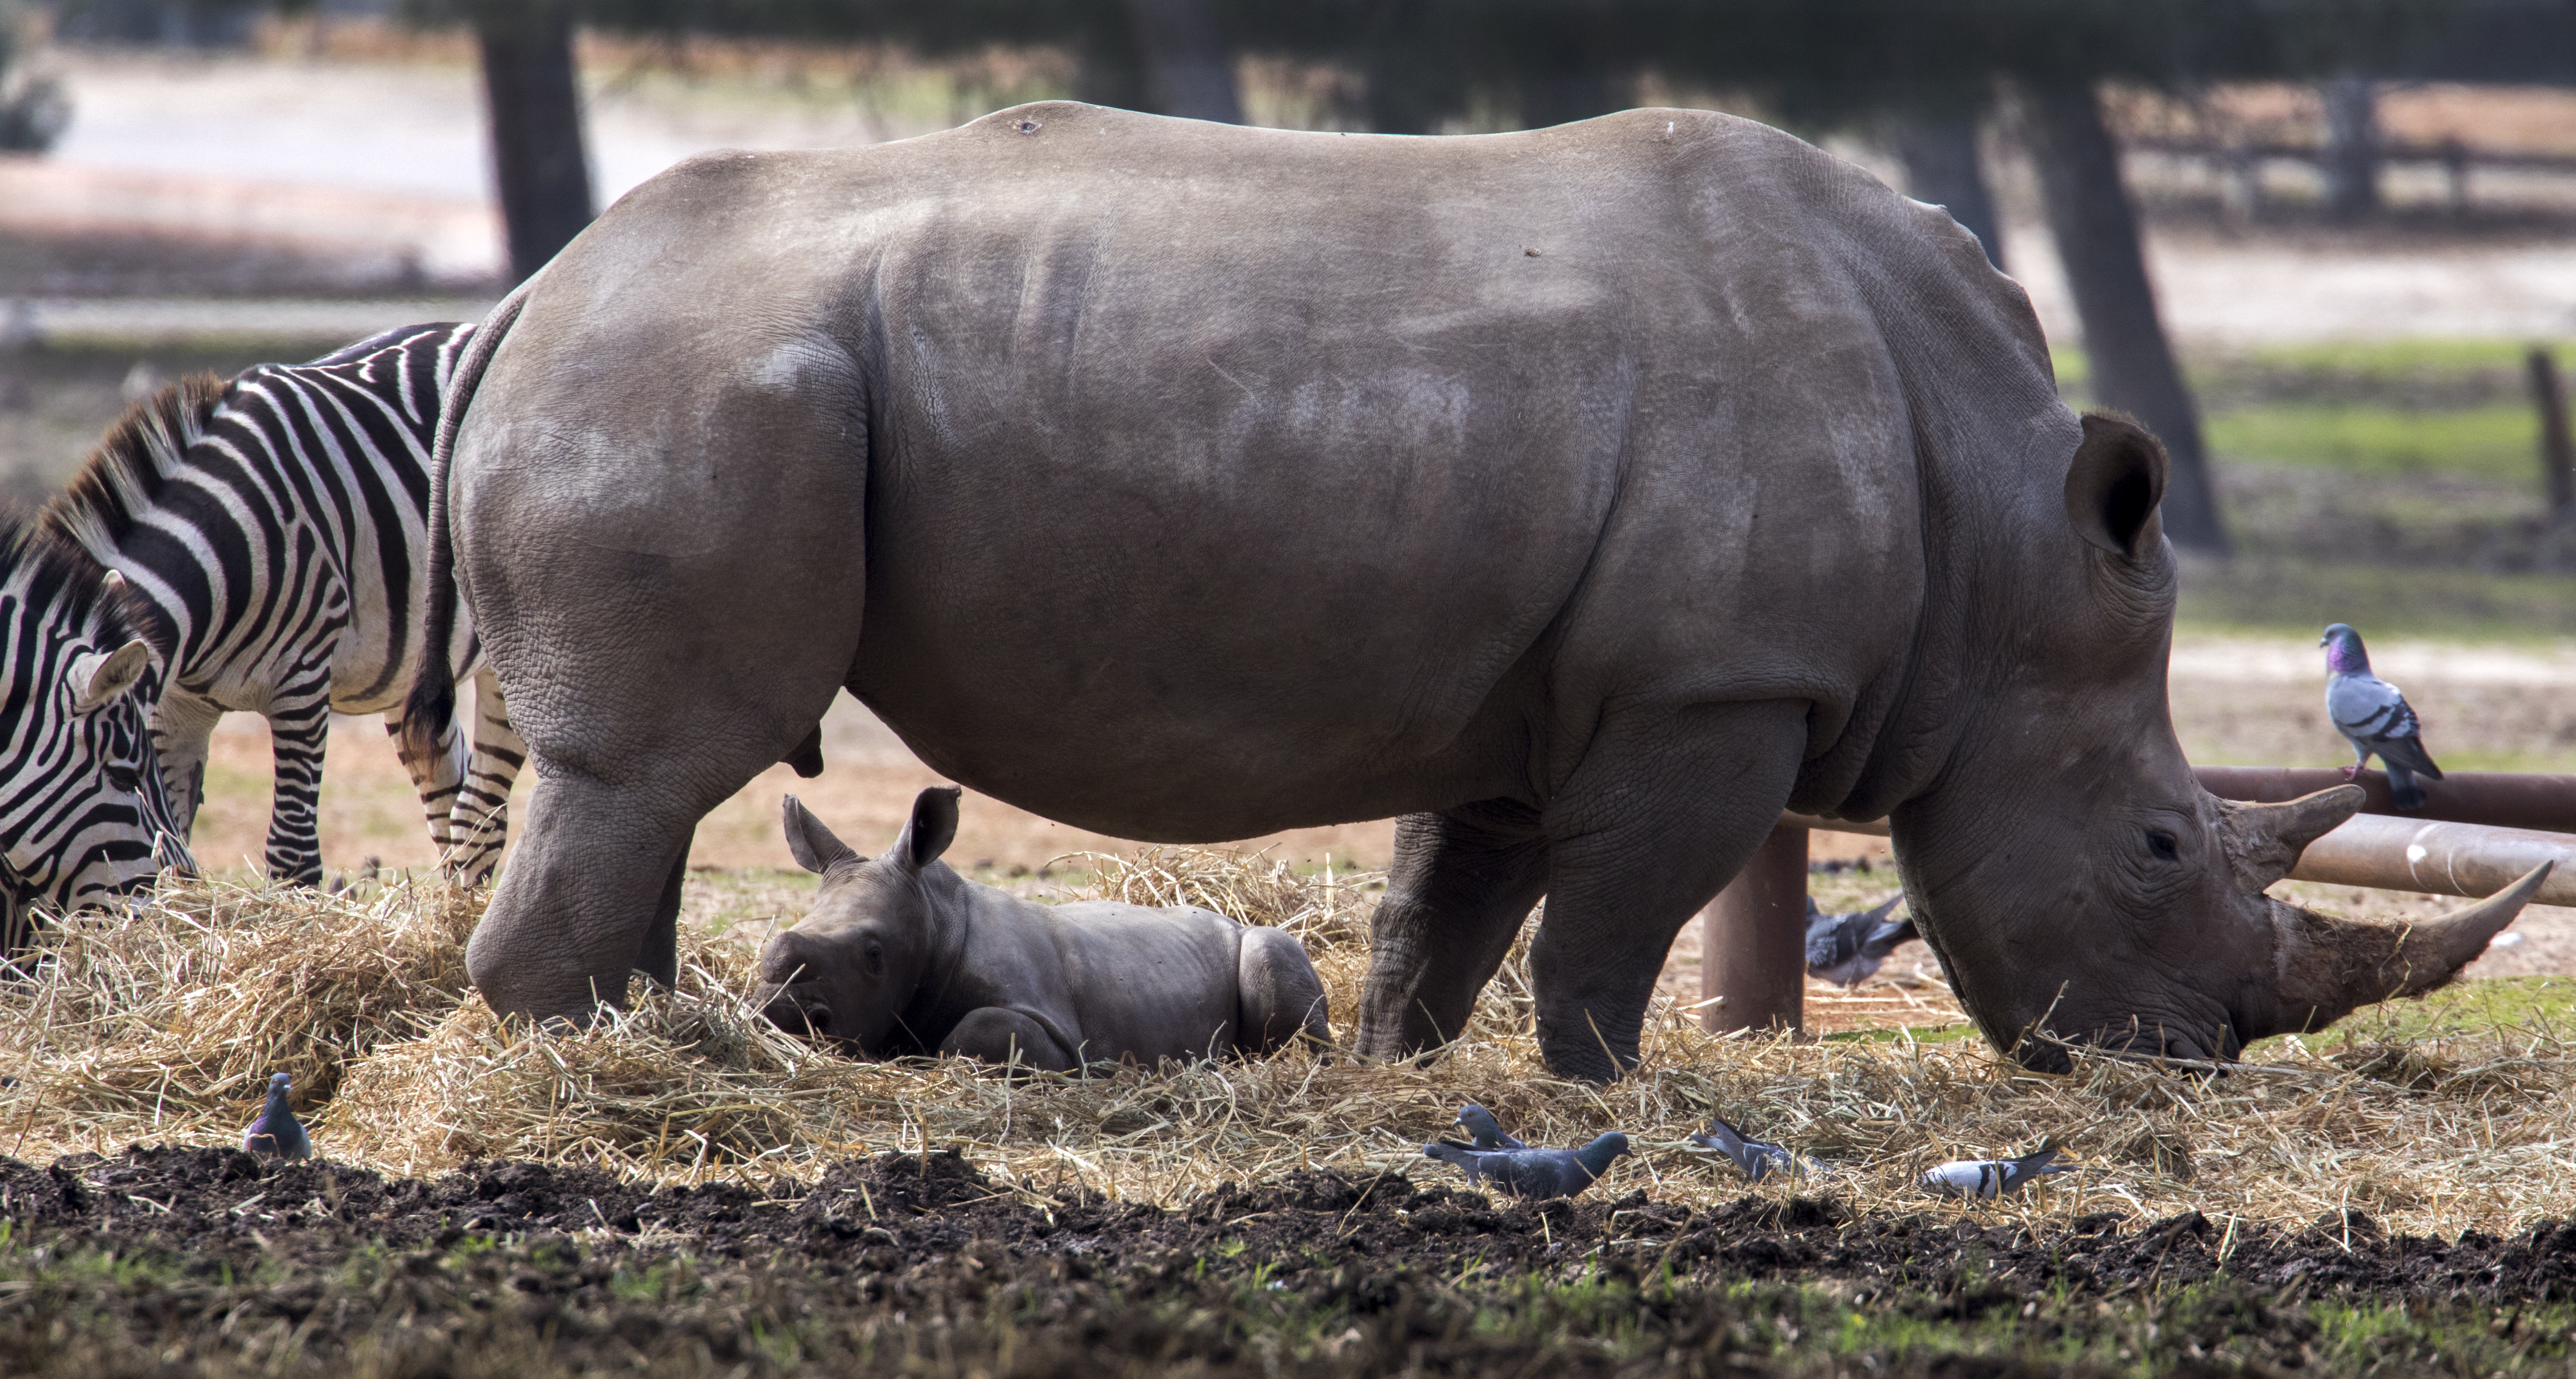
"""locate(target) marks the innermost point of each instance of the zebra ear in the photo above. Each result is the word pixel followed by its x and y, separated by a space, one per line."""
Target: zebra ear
pixel 102 678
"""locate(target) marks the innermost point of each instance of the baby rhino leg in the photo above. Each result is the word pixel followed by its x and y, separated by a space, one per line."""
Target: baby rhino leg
pixel 1277 994
pixel 995 1033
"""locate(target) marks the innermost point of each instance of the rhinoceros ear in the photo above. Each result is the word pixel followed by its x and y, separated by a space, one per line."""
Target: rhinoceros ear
pixel 2114 484
pixel 932 829
pixel 813 845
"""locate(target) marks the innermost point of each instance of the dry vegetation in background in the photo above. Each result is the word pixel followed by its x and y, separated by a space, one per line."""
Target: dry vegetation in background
pixel 159 1027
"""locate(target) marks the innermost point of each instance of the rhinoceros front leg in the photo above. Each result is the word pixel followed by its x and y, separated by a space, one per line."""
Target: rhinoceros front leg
pixel 999 1035
pixel 1462 883
pixel 1662 812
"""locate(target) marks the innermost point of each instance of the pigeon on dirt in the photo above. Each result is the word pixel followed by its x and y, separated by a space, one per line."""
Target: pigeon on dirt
pixel 1483 1131
pixel 1535 1174
pixel 1847 949
pixel 276 1134
pixel 2374 718
pixel 1753 1156
pixel 1992 1178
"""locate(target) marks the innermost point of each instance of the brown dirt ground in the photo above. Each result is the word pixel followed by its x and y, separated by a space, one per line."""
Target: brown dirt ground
pixel 519 1268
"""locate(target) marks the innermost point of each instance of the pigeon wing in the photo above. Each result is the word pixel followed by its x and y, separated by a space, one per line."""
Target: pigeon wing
pixel 1474 1163
pixel 2368 709
pixel 2037 1163
pixel 1833 940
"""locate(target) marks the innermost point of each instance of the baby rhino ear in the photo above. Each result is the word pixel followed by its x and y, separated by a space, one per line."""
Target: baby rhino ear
pixel 932 829
pixel 813 845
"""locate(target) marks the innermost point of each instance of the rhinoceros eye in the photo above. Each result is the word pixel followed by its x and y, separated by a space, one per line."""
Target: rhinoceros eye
pixel 2162 844
pixel 876 958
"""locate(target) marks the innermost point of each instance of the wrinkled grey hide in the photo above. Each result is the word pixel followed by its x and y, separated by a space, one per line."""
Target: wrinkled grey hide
pixel 902 955
pixel 1583 495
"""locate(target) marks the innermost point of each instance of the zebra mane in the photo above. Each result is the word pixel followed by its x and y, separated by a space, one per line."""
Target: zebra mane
pixel 49 572
pixel 136 457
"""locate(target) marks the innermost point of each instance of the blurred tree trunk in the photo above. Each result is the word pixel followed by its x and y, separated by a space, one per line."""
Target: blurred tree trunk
pixel 1939 151
pixel 1188 70
pixel 535 102
pixel 2352 148
pixel 2096 227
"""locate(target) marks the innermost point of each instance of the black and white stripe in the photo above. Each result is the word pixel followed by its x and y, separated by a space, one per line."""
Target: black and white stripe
pixel 83 816
pixel 272 529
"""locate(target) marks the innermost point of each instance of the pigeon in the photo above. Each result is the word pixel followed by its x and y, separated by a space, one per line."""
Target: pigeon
pixel 276 1135
pixel 1847 949
pixel 1483 1130
pixel 1535 1174
pixel 2374 717
pixel 1752 1156
pixel 1992 1178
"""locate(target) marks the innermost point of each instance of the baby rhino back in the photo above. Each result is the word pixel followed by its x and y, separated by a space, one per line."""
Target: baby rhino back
pixel 1146 983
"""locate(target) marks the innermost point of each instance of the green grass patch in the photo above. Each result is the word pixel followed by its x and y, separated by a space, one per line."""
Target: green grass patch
pixel 2481 1007
pixel 2255 596
pixel 2495 441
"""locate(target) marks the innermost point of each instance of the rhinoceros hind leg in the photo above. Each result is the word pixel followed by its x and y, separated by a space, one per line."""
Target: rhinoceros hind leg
pixel 1278 997
pixel 1462 882
pixel 994 1034
pixel 1662 811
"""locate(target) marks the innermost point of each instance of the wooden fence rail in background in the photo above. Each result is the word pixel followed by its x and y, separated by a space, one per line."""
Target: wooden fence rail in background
pixel 2481 832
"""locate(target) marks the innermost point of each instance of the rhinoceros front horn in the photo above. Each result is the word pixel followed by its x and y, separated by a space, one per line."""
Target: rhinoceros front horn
pixel 2329 966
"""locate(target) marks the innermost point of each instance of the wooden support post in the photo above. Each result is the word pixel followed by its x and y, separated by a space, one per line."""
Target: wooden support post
pixel 2557 451
pixel 1753 941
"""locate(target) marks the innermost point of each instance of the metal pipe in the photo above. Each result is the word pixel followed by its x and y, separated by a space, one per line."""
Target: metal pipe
pixel 2431 857
pixel 1753 941
pixel 2438 858
pixel 2498 798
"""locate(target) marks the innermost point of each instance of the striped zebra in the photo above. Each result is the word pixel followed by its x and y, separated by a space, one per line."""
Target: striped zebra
pixel 270 533
pixel 85 814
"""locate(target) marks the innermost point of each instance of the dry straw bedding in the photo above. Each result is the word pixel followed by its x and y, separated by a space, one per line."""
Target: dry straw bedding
pixel 160 1027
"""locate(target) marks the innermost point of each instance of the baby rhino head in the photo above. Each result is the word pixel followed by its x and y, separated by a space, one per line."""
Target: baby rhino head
pixel 846 971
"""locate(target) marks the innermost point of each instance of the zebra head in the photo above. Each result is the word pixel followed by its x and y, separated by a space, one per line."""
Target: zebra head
pixel 84 815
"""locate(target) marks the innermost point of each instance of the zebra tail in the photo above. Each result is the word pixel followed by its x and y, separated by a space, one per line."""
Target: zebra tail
pixel 432 701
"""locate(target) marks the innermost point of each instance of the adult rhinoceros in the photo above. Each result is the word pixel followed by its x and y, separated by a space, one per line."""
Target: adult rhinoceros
pixel 1584 496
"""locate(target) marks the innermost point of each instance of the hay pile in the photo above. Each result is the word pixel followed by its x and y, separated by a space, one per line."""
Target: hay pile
pixel 160 1026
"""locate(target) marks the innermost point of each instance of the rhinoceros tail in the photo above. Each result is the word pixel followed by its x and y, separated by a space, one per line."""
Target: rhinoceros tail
pixel 429 711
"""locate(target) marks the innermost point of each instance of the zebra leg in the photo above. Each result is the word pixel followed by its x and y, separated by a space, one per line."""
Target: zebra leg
pixel 482 822
pixel 183 730
pixel 437 777
pixel 299 725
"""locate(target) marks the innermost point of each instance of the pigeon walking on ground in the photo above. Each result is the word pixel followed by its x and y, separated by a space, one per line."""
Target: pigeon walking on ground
pixel 1753 1156
pixel 276 1134
pixel 2374 718
pixel 1535 1174
pixel 1992 1178
pixel 1483 1131
pixel 1847 949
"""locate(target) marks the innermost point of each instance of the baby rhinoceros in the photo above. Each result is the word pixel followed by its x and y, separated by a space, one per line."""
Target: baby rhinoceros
pixel 901 955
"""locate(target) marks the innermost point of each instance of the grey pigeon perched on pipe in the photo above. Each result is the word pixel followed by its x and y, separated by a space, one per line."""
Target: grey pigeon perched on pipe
pixel 276 1134
pixel 2374 718
pixel 1992 1178
pixel 1847 949
pixel 1753 1156
pixel 1483 1131
pixel 1535 1174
